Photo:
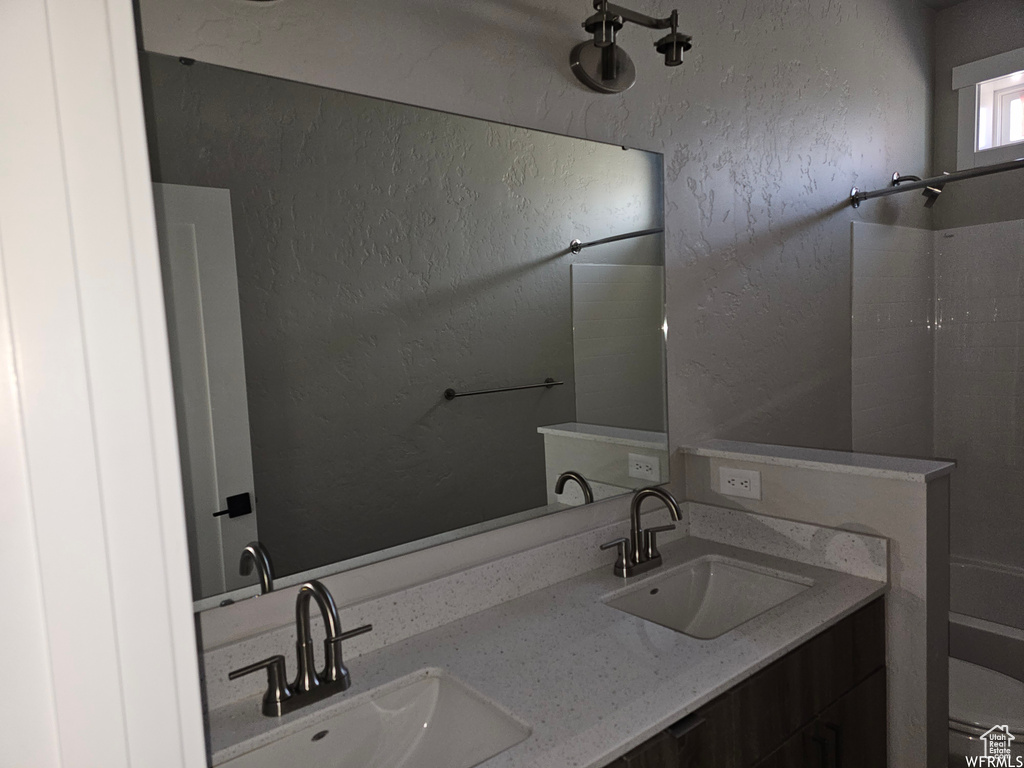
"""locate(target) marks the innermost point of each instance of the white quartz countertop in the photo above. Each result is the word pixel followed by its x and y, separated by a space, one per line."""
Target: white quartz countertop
pixel 847 462
pixel 592 682
pixel 637 438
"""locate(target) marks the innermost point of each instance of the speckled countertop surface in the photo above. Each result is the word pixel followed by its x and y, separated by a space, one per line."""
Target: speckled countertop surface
pixel 844 462
pixel 591 681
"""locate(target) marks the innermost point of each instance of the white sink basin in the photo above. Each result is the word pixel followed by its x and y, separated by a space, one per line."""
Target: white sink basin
pixel 707 597
pixel 433 721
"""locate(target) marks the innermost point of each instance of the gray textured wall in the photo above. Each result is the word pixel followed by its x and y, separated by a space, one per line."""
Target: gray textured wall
pixel 968 32
pixel 385 253
pixel 780 108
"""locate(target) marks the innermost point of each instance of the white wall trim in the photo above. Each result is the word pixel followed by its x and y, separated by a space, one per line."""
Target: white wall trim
pixel 86 383
pixel 969 75
pixel 34 741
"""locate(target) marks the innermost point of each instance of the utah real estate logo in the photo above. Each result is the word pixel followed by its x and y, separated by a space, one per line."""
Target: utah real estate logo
pixel 997 740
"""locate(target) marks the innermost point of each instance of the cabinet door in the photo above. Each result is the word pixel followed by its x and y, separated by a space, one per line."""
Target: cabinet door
pixel 689 735
pixel 849 734
pixel 804 749
pixel 659 751
pixel 854 728
pixel 756 717
pixel 820 706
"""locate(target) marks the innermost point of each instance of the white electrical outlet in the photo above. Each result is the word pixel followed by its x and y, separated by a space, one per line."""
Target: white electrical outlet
pixel 745 483
pixel 644 467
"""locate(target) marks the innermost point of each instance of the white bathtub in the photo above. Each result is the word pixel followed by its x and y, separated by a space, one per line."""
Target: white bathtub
pixel 986 620
pixel 987 591
pixel 986 629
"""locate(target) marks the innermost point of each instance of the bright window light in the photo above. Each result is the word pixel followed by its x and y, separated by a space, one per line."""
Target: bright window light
pixel 1000 119
pixel 1017 119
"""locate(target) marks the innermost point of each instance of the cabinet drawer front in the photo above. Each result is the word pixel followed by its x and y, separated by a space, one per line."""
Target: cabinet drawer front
pixel 851 733
pixel 657 752
pixel 787 695
pixel 854 728
pixel 748 722
pixel 776 712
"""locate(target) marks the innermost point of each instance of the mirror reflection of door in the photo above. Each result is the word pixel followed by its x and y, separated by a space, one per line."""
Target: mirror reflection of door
pixel 197 255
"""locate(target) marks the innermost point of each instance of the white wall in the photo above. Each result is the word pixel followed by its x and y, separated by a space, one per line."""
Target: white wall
pixel 603 461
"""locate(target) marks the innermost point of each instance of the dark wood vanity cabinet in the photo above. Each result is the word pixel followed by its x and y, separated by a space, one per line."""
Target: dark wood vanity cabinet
pixel 822 705
pixel 849 733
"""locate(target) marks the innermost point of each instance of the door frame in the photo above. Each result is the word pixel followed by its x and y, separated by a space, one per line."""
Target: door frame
pixel 89 449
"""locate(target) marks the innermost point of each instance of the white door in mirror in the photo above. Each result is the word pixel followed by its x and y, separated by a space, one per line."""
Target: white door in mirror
pixel 745 483
pixel 204 332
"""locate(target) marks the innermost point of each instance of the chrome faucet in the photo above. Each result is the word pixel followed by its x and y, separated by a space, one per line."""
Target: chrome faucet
pixel 256 554
pixel 639 553
pixel 581 481
pixel 310 686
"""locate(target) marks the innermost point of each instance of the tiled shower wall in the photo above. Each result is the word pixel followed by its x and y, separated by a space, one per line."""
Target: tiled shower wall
pixel 979 385
pixel 893 301
pixel 938 367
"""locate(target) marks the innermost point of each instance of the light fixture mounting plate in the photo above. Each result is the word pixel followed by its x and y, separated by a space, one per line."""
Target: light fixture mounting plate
pixel 586 61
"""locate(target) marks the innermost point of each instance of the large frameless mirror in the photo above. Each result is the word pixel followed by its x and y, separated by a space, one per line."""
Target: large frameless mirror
pixel 381 335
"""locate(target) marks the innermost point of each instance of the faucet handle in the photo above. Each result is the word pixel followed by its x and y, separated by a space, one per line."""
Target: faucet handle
pixel 355 632
pixel 278 691
pixel 335 670
pixel 651 539
pixel 623 559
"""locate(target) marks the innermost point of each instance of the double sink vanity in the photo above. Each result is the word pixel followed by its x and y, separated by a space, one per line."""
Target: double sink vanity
pixel 719 656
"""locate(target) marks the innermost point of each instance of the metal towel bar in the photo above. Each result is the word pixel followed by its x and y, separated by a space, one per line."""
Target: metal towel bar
pixel 576 245
pixel 451 394
pixel 933 186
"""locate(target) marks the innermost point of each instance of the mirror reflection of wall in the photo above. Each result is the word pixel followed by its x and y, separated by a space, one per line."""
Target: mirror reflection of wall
pixel 385 253
pixel 618 440
pixel 618 325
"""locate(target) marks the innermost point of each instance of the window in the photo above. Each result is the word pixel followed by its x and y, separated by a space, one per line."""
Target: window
pixel 991 123
pixel 1000 111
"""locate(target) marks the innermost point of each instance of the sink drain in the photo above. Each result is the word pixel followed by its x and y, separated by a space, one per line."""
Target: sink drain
pixel 320 735
pixel 654 591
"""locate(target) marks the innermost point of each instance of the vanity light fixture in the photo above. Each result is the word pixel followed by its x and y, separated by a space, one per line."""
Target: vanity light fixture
pixel 602 65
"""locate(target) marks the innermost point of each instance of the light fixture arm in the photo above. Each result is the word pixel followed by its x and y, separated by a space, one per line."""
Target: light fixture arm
pixel 637 18
pixel 601 64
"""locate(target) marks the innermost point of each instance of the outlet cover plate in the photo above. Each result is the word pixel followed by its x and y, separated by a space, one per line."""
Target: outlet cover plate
pixel 744 483
pixel 644 467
